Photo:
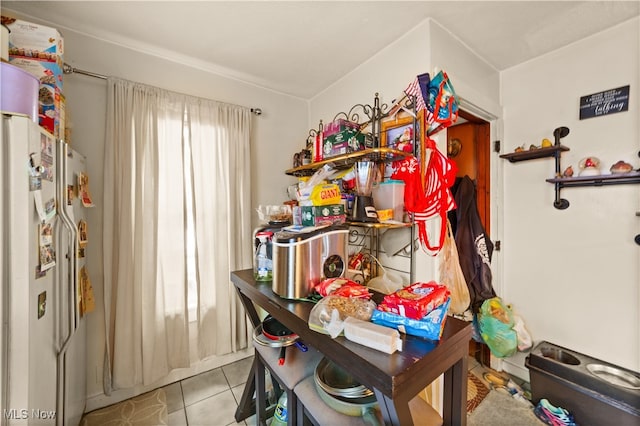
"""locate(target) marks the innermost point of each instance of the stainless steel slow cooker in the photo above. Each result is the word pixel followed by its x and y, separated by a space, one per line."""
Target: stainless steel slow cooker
pixel 302 260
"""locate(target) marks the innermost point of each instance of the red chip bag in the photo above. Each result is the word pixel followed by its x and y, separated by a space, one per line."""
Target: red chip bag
pixel 352 290
pixel 342 287
pixel 328 286
pixel 415 300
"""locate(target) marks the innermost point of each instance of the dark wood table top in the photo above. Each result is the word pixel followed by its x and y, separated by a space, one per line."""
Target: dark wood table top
pixel 399 376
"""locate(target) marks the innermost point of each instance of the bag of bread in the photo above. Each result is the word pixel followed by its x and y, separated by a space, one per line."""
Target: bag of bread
pixel 328 315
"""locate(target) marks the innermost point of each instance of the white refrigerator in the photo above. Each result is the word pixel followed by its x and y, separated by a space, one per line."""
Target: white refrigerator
pixel 44 276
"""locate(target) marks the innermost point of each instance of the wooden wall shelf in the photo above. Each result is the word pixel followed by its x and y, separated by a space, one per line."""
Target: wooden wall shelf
pixel 533 154
pixel 600 180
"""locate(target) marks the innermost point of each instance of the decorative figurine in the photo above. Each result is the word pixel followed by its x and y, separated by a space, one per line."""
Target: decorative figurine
pixel 621 167
pixel 589 166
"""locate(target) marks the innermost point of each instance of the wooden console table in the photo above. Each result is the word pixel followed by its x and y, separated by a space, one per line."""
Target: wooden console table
pixel 395 379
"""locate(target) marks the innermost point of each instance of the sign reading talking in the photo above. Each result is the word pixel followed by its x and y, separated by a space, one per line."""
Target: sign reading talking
pixel 603 103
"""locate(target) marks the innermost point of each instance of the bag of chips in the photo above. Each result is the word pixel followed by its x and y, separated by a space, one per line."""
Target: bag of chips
pixel 342 287
pixel 415 300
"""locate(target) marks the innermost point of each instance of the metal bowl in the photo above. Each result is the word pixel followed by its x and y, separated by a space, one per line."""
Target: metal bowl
pixel 614 376
pixel 337 382
pixel 559 355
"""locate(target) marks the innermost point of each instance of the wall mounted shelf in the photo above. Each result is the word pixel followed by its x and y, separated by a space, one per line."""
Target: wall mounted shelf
pixel 601 180
pixel 568 182
pixel 379 155
pixel 533 154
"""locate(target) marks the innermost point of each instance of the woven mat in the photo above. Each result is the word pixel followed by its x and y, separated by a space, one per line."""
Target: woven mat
pixel 476 392
pixel 149 409
pixel 500 409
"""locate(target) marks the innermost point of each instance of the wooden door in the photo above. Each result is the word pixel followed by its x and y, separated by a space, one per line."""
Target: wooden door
pixel 469 146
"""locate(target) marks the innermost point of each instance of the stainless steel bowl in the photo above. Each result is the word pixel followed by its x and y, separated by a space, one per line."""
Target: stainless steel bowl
pixel 337 382
pixel 614 376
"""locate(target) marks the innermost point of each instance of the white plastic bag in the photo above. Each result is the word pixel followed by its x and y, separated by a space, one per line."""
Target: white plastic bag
pixel 524 338
pixel 387 282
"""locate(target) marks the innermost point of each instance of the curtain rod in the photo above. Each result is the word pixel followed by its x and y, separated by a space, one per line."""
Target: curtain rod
pixel 68 69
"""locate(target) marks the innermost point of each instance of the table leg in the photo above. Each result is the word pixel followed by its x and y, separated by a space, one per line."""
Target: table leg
pixel 393 412
pixel 247 405
pixel 249 308
pixel 455 394
pixel 261 400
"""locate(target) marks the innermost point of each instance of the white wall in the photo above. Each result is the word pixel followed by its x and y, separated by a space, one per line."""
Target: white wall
pixel 277 134
pixel 574 274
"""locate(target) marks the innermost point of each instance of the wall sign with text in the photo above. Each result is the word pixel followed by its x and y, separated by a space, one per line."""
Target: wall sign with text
pixel 603 103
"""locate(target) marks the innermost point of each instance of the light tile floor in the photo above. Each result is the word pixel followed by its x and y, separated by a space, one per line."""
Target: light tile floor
pixel 211 398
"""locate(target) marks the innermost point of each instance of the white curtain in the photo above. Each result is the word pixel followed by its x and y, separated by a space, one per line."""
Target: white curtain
pixel 172 159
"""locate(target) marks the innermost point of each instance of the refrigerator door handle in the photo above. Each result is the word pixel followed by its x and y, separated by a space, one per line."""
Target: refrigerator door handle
pixel 72 233
pixel 74 314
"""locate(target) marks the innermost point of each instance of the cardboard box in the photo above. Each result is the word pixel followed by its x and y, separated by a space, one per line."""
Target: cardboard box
pixel 320 215
pixel 49 73
pixel 49 95
pixel 337 126
pixel 344 142
pixel 34 41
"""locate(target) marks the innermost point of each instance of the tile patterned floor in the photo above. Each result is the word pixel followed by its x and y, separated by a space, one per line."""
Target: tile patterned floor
pixel 211 398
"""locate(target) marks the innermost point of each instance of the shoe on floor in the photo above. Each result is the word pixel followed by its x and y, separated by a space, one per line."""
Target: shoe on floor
pixel 553 416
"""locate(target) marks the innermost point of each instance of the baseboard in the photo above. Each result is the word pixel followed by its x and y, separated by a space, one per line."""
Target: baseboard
pixel 515 366
pixel 100 400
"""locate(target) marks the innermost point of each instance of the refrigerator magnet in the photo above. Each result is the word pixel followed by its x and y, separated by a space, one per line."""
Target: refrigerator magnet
pixel 47 251
pixel 83 190
pixel 87 302
pixel 42 304
pixel 82 233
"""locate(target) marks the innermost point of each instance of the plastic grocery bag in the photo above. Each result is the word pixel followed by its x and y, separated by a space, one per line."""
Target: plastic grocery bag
pixel 496 327
pixel 451 274
pixel 524 338
pixel 387 282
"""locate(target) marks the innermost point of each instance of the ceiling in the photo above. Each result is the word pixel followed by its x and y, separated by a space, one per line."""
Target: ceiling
pixel 302 47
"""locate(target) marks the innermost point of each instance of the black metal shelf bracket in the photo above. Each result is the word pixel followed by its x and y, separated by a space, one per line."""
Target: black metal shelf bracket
pixel 559 203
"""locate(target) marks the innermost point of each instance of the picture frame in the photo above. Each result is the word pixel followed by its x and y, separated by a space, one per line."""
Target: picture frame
pixel 398 132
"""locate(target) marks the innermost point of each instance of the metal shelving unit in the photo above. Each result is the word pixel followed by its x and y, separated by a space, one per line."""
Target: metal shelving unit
pixel 366 235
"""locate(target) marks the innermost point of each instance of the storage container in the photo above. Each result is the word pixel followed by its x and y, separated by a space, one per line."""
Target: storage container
pixel 19 92
pixel 4 42
pixel 570 379
pixel 390 195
